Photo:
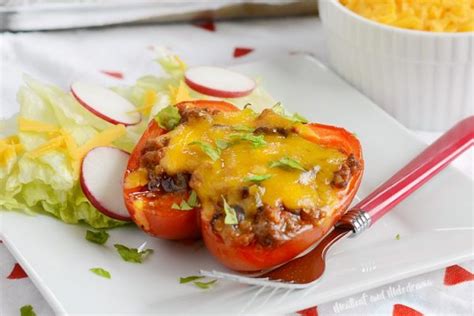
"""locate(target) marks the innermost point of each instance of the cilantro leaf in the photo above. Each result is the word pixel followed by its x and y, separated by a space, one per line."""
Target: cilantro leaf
pixel 280 110
pixel 132 254
pixel 230 215
pixel 287 162
pixel 243 128
pixel 205 285
pixel 99 237
pixel 299 118
pixel 208 149
pixel 190 278
pixel 258 178
pixel 27 310
pixel 397 237
pixel 256 140
pixel 101 272
pixel 189 205
pixel 168 118
pixel 175 206
pixel 222 144
pixel 184 206
pixel 193 199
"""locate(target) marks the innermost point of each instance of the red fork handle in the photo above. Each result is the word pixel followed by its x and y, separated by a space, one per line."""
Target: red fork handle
pixel 418 171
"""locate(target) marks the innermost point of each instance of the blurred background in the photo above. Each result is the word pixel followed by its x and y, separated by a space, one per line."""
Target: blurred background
pixel 30 15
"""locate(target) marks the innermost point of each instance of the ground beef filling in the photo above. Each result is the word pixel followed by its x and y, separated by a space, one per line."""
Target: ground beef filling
pixel 153 151
pixel 272 130
pixel 343 176
pixel 190 113
pixel 274 225
pixel 269 226
pixel 158 179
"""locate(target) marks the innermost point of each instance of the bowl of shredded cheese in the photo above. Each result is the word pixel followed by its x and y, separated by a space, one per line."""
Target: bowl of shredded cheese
pixel 414 58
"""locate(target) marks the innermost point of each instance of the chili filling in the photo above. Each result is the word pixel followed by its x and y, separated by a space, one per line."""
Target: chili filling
pixel 257 179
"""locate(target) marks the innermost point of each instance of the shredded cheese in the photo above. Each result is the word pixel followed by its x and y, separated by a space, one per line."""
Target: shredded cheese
pixel 149 101
pixel 182 64
pixel 26 125
pixel 179 94
pixel 104 138
pixel 61 139
pixel 426 15
pixel 53 144
pixel 9 148
pixel 70 143
pixel 136 178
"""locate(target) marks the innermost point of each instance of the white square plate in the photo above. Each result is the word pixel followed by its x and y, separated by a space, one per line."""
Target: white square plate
pixel 435 224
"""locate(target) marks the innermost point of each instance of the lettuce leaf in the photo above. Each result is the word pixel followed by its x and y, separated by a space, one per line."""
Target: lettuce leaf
pixel 48 183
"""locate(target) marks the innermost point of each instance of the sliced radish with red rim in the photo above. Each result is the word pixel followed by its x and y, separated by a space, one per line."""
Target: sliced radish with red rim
pixel 105 103
pixel 218 82
pixel 102 173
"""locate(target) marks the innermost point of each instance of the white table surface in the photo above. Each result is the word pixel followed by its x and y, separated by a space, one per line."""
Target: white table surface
pixel 58 57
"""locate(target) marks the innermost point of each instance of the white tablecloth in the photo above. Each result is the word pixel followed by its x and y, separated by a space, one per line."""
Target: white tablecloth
pixel 126 53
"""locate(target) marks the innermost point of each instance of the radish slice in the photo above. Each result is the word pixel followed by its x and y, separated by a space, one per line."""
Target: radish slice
pixel 218 82
pixel 105 103
pixel 102 173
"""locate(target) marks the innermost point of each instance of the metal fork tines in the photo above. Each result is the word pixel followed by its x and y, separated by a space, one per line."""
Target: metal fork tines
pixel 253 280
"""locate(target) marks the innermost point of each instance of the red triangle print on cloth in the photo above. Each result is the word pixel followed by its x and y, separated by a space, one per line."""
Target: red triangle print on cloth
pixel 312 311
pixel 206 25
pixel 17 273
pixel 114 74
pixel 242 51
pixel 403 310
pixel 456 274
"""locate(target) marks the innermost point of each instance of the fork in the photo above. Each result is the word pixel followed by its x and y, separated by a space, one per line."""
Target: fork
pixel 304 270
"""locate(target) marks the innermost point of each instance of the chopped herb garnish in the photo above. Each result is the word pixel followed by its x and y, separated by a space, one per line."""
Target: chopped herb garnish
pixel 280 110
pixel 27 310
pixel 243 128
pixel 299 118
pixel 190 278
pixel 230 215
pixel 258 178
pixel 287 162
pixel 199 284
pixel 132 254
pixel 208 149
pixel 187 205
pixel 205 285
pixel 168 118
pixel 256 140
pixel 101 272
pixel 222 144
pixel 184 206
pixel 193 200
pixel 397 237
pixel 99 237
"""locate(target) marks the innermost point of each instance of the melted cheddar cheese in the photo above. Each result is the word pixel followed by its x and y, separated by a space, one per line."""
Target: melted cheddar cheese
pixel 223 152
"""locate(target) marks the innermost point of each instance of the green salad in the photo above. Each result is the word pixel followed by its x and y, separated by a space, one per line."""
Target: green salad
pixel 41 148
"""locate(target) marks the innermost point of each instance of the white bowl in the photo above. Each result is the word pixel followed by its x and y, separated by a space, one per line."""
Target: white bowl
pixel 424 79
